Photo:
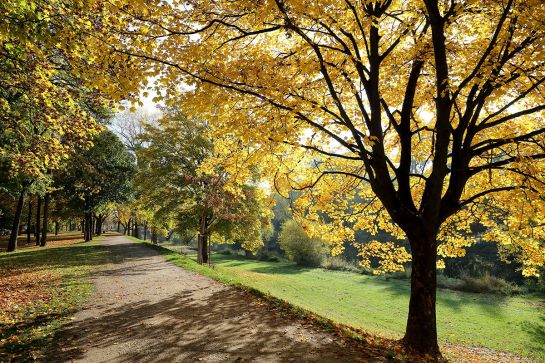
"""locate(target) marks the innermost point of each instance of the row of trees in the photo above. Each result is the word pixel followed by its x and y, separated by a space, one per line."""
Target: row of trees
pixel 83 188
pixel 51 108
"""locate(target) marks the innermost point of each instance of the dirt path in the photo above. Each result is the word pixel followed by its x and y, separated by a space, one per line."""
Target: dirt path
pixel 145 309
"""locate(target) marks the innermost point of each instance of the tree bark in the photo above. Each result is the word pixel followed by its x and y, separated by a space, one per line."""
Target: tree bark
pixel 145 230
pixel 135 229
pixel 38 211
pixel 29 220
pixel 118 226
pixel 127 230
pixel 88 226
pixel 43 239
pixel 154 235
pixel 421 330
pixel 202 246
pixel 12 244
pixel 98 225
pixel 56 228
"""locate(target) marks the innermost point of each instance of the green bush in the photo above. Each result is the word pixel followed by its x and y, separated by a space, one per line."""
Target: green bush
pixel 268 256
pixel 482 284
pixel 488 283
pixel 299 247
pixel 400 275
pixel 338 263
pixel 225 252
pixel 450 283
pixel 535 285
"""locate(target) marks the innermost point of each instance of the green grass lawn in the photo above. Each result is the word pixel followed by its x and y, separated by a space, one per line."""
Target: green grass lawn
pixel 41 287
pixel 511 324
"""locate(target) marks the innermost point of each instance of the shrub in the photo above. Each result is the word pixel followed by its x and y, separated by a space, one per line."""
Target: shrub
pixel 535 285
pixel 225 252
pixel 299 247
pixel 268 256
pixel 338 263
pixel 488 283
pixel 450 283
pixel 400 275
pixel 482 284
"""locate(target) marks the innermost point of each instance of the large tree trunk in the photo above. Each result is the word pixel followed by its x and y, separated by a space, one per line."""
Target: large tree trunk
pixel 38 211
pixel 29 220
pixel 43 239
pixel 12 244
pixel 421 330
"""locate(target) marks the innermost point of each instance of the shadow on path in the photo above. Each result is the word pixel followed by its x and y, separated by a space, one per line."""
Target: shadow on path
pixel 147 309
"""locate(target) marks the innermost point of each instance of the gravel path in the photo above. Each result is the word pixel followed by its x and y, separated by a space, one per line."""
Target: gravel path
pixel 145 309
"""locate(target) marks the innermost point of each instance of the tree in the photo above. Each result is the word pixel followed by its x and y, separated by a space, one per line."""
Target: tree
pixel 429 111
pixel 54 78
pixel 172 187
pixel 98 176
pixel 299 247
pixel 129 125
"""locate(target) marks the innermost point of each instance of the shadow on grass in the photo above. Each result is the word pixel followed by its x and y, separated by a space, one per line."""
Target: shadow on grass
pixel 490 304
pixel 76 255
pixel 265 267
pixel 51 238
pixel 64 257
pixel 537 330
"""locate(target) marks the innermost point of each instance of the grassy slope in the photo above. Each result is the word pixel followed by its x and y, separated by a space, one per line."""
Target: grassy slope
pixel 28 326
pixel 512 324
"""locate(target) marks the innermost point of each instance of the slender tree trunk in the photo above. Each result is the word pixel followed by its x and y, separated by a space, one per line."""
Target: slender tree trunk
pixel 135 229
pixel 93 224
pixel 12 244
pixel 43 239
pixel 421 330
pixel 202 256
pixel 145 230
pixel 154 235
pixel 38 211
pixel 102 218
pixel 118 226
pixel 97 225
pixel 86 226
pixel 128 229
pixel 29 220
pixel 56 228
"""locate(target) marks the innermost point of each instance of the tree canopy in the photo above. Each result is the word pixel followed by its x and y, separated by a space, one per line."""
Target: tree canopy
pixel 175 190
pixel 433 122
